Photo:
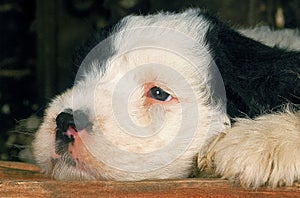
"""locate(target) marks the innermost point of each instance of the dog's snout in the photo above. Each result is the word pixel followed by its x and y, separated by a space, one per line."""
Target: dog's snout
pixel 64 120
pixel 68 123
pixel 77 119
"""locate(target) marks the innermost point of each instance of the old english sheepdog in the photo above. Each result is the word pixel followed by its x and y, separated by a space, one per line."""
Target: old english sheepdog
pixel 164 91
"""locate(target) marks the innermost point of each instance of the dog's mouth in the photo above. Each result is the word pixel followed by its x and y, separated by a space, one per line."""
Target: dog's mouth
pixel 68 141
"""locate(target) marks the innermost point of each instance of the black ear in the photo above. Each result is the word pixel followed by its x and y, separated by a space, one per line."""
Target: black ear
pixel 257 78
pixel 83 50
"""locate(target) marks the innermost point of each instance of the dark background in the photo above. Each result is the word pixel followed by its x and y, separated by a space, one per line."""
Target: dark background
pixel 38 39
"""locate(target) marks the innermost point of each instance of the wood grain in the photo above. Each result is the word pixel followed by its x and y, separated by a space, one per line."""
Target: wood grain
pixel 24 180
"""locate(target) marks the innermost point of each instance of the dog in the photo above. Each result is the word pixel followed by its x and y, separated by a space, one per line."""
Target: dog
pixel 163 89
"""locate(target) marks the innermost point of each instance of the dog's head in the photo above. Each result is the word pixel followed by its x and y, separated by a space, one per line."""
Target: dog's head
pixel 144 102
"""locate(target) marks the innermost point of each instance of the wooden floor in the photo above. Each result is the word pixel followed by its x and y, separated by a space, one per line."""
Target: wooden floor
pixel 24 180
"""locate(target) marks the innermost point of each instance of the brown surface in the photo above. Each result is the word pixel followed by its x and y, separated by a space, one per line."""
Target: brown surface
pixel 24 180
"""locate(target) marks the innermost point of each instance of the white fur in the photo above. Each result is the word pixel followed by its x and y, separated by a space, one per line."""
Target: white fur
pixel 264 151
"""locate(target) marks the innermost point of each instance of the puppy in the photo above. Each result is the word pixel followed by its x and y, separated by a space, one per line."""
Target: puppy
pixel 160 90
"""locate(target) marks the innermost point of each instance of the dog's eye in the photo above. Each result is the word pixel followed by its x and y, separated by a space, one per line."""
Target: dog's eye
pixel 159 94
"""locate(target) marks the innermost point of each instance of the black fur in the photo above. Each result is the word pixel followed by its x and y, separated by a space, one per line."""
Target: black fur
pixel 257 78
pixel 83 50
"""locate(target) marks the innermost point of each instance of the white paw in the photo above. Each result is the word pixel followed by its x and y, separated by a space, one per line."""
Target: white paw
pixel 254 153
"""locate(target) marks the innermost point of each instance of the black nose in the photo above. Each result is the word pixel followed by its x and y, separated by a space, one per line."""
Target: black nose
pixel 78 120
pixel 64 120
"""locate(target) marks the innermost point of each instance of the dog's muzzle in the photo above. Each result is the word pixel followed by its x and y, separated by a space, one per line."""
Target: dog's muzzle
pixel 68 123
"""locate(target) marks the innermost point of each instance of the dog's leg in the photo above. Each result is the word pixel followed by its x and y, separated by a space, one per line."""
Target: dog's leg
pixel 264 151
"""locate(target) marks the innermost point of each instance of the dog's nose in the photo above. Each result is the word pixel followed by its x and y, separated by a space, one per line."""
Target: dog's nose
pixel 78 119
pixel 64 120
pixel 68 123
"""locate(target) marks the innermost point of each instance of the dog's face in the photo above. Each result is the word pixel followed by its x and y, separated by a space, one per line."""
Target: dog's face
pixel 142 106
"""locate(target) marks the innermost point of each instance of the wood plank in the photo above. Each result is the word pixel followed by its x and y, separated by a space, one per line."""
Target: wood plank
pixel 24 180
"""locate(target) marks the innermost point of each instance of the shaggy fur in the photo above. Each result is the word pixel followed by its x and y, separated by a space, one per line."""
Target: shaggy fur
pixel 286 38
pixel 256 152
pixel 109 125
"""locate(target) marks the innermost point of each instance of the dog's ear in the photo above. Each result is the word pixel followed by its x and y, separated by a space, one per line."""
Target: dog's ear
pixel 257 78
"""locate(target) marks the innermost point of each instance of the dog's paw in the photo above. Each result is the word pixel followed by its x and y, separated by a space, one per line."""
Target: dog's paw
pixel 264 151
